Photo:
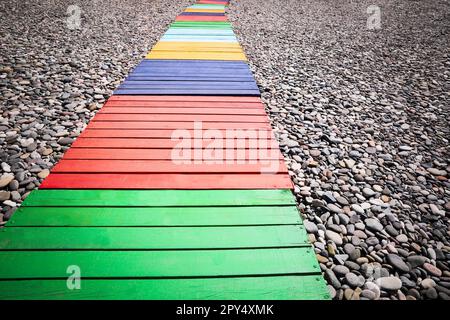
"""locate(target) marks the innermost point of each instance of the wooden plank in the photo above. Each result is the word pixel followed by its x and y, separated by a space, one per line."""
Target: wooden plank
pixel 184 99
pixel 223 65
pixel 158 198
pixel 207 6
pixel 184 111
pixel 189 55
pixel 173 84
pixel 203 14
pixel 175 125
pixel 310 287
pixel 200 105
pixel 151 238
pixel 200 134
pixel 178 142
pixel 197 46
pixel 153 216
pixel 193 38
pixel 214 92
pixel 196 31
pixel 168 166
pixel 166 181
pixel 158 264
pixel 153 154
pixel 156 77
pixel 180 117
pixel 203 10
pixel 200 18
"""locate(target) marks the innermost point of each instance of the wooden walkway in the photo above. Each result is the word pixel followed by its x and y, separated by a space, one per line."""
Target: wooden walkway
pixel 140 223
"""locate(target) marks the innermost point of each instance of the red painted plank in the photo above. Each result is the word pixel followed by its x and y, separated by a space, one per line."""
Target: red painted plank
pixel 176 125
pixel 169 144
pixel 179 117
pixel 184 104
pixel 166 181
pixel 162 133
pixel 169 166
pixel 185 98
pixel 204 111
pixel 201 18
pixel 154 154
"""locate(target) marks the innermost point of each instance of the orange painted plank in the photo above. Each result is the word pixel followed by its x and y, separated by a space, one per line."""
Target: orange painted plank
pixel 168 166
pixel 166 181
pixel 155 154
pixel 183 104
pixel 180 117
pixel 161 133
pixel 176 125
pixel 168 143
pixel 184 98
pixel 204 111
pixel 201 18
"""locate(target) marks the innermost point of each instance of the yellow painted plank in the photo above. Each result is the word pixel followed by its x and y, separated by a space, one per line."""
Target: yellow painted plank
pixel 195 55
pixel 205 10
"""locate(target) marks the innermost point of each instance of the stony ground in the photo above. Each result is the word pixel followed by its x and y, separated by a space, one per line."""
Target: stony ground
pixel 53 79
pixel 363 119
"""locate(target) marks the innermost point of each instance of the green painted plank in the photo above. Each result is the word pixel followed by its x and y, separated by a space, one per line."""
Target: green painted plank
pixel 242 288
pixel 50 238
pixel 157 264
pixel 158 198
pixel 165 216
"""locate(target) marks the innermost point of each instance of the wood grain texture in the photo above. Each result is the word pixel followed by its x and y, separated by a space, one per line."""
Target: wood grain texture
pixel 158 198
pixel 154 154
pixel 151 238
pixel 153 216
pixel 158 264
pixel 166 181
pixel 241 288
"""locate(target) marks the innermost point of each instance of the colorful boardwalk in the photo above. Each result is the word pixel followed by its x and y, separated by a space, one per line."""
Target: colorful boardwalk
pixel 161 197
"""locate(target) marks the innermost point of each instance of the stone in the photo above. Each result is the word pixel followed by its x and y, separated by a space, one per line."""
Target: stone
pixel 332 279
pixel 366 293
pixel 4 195
pixel 433 270
pixel 333 208
pixel 431 293
pixel 5 179
pixel 416 261
pixel 367 192
pixel 340 270
pixel 428 283
pixel 333 236
pixel 310 226
pixel 374 288
pixel 65 141
pixel 43 174
pixel 389 283
pixel 397 262
pixel 437 172
pixel 353 280
pixel 402 238
pixel 373 225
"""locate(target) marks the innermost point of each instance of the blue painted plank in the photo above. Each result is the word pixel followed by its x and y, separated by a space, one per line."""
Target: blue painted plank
pixel 191 83
pixel 187 92
pixel 187 78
